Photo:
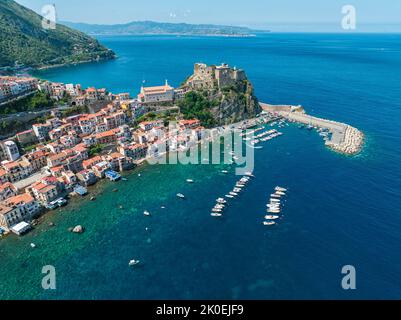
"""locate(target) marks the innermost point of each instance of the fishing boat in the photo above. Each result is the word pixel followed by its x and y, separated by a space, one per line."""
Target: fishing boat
pixel 269 223
pixel 133 263
pixel 271 217
pixel 180 195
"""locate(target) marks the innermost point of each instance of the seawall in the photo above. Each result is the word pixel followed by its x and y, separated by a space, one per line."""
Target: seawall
pixel 344 138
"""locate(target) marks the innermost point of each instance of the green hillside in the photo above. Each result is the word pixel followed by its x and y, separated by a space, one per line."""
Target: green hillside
pixel 23 40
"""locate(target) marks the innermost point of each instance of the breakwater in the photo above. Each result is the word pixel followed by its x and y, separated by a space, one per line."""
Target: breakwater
pixel 344 138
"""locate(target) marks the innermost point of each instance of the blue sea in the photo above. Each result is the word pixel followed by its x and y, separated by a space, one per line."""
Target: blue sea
pixel 340 210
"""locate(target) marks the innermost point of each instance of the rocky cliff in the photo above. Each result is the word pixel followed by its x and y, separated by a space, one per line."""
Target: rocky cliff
pixel 228 90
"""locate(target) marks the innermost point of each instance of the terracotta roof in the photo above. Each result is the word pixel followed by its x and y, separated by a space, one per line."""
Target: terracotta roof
pixel 22 198
pixel 6 186
pixel 4 209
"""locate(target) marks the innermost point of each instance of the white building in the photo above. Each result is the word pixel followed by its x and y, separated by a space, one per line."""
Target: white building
pixel 11 150
pixel 156 94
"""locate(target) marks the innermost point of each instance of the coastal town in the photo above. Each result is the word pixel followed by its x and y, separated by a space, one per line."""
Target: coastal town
pixel 68 154
pixel 60 157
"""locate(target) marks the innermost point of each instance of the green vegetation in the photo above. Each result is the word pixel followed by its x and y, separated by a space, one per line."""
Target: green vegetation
pixel 95 150
pixel 23 40
pixel 196 105
pixel 37 101
pixel 74 111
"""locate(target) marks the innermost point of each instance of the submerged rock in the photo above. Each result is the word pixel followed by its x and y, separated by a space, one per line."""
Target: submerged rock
pixel 78 229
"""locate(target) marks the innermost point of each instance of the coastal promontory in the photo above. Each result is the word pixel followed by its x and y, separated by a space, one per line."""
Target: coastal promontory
pixel 219 95
pixel 24 41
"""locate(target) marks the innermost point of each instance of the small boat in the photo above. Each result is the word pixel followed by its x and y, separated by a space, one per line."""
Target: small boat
pixel 275 201
pixel 281 189
pixel 147 213
pixel 224 171
pixel 233 194
pixel 274 195
pixel 249 174
pixel 180 195
pixel 93 198
pixel 134 263
pixel 33 246
pixel 190 181
pixel 237 190
pixel 271 217
pixel 214 210
pixel 275 211
pixel 280 193
pixel 221 200
pixel 269 223
pixel 216 214
pixel 229 196
pixel 124 179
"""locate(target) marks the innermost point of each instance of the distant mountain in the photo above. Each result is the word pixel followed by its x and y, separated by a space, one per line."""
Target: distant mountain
pixel 160 28
pixel 23 40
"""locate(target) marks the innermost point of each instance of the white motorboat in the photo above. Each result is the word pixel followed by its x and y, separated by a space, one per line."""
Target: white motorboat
pixel 221 201
pixel 217 210
pixel 33 246
pixel 269 223
pixel 229 196
pixel 273 211
pixel 233 194
pixel 237 190
pixel 224 171
pixel 271 217
pixel 274 195
pixel 190 181
pixel 249 174
pixel 180 195
pixel 147 213
pixel 133 263
pixel 281 189
pixel 275 201
pixel 216 215
pixel 280 193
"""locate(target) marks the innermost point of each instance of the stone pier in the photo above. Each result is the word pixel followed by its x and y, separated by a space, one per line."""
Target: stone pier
pixel 344 138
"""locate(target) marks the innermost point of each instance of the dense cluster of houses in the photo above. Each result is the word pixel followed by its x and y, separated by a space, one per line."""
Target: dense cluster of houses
pixel 61 160
pixel 13 87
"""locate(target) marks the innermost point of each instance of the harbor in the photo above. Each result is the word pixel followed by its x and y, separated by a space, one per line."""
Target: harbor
pixel 344 138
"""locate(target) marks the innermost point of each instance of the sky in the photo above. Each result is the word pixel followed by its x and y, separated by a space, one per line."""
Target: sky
pixel 263 14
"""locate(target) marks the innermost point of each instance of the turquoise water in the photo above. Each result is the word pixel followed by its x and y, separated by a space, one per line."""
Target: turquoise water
pixel 340 210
